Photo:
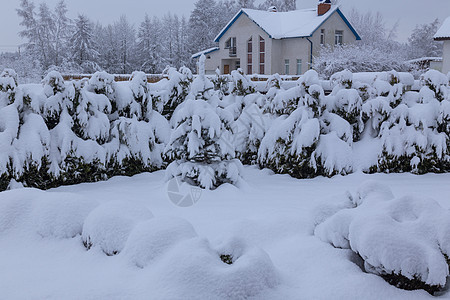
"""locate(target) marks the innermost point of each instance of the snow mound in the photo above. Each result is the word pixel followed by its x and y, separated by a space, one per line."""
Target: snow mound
pixel 62 215
pixel 109 225
pixel 404 240
pixel 16 207
pixel 153 238
pixel 197 269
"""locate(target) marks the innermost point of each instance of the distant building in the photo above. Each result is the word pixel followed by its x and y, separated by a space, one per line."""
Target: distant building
pixel 443 34
pixel 268 42
pixel 424 63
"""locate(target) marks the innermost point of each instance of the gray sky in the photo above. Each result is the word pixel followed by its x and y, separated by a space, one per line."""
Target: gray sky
pixel 407 12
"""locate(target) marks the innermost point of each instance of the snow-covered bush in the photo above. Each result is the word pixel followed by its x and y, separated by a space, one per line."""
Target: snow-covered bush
pixel 309 141
pixel 437 82
pixel 240 84
pixel 109 225
pixel 202 154
pixel 198 270
pixel 178 86
pixel 251 126
pixel 404 240
pixel 8 86
pixel 415 135
pixel 221 83
pixel 201 144
pixel 357 58
pixel 61 215
pixel 59 96
pixel 137 146
pixel 154 238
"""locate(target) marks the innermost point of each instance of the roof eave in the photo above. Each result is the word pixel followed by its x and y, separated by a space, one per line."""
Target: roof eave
pixel 225 29
pixel 338 10
pixel 205 52
pixel 442 38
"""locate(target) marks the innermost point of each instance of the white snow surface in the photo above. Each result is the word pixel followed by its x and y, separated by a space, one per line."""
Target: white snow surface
pixel 406 235
pixel 266 226
pixel 295 23
pixel 444 31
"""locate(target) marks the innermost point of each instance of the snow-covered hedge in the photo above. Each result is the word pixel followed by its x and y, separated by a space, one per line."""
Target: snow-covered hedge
pixel 404 240
pixel 69 132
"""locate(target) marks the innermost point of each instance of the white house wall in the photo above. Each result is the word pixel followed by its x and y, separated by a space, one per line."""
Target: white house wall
pixel 243 28
pixel 333 23
pixel 277 51
pixel 446 57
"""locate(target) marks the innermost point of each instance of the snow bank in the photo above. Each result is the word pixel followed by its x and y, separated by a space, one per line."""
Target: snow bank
pixel 109 225
pixel 197 269
pixel 404 240
pixel 61 215
pixel 153 238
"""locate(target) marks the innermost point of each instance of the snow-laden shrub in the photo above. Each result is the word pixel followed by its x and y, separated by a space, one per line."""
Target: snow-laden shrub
pixel 221 83
pixel 357 58
pixel 436 82
pixel 342 80
pixel 91 111
pixel 61 215
pixel 58 97
pixel 154 238
pixel 348 104
pixel 131 98
pixel 178 87
pixel 197 269
pixel 200 145
pixel 109 225
pixel 415 138
pixel 102 83
pixel 8 87
pixel 251 126
pixel 404 240
pixel 240 84
pixel 308 142
pixel 137 146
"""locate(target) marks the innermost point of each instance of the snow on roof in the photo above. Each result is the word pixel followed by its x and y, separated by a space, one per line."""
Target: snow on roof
pixel 444 31
pixel 204 52
pixel 423 59
pixel 279 25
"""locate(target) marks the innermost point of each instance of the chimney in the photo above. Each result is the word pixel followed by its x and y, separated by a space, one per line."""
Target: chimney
pixel 272 9
pixel 323 7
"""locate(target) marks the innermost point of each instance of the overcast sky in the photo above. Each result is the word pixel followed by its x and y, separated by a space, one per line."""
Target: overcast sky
pixel 407 12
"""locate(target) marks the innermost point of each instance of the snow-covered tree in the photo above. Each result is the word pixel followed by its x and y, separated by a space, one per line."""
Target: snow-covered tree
pixel 203 25
pixel 200 146
pixel 281 5
pixel 421 42
pixel 83 46
pixel 126 39
pixel 357 58
pixel 309 141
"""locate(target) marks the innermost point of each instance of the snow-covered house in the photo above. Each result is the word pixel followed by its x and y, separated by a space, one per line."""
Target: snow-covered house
pixel 268 42
pixel 443 34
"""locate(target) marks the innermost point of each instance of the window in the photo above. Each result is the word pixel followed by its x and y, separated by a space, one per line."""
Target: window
pixel 299 66
pixel 322 36
pixel 338 37
pixel 249 56
pixel 286 66
pixel 262 51
pixel 231 45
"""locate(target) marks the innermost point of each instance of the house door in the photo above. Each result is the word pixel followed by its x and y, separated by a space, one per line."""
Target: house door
pixel 226 69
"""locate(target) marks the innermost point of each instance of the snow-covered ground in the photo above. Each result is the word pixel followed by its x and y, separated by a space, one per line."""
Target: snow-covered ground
pixel 267 223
